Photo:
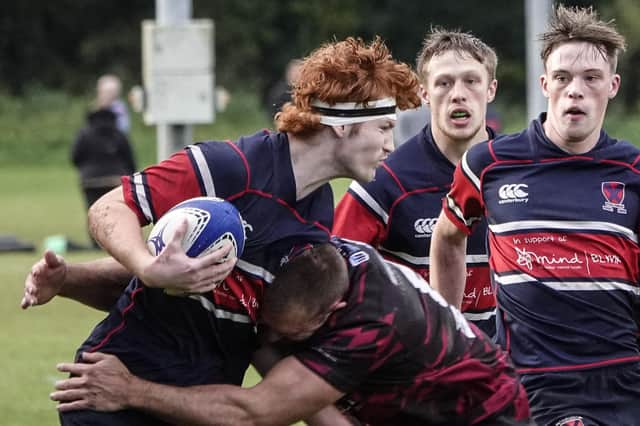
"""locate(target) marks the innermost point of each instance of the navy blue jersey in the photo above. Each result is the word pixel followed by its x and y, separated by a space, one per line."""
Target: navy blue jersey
pixel 563 238
pixel 208 338
pixel 403 356
pixel 397 212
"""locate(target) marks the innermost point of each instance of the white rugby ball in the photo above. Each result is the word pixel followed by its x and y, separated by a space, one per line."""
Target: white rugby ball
pixel 211 222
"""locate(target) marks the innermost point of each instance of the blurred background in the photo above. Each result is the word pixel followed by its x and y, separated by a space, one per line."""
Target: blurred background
pixel 52 52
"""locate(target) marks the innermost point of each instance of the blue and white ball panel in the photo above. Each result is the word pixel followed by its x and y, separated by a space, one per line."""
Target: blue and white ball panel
pixel 210 222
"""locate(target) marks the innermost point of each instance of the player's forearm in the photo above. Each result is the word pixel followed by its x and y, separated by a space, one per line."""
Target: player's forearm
pixel 447 269
pixel 328 416
pixel 97 283
pixel 197 405
pixel 117 230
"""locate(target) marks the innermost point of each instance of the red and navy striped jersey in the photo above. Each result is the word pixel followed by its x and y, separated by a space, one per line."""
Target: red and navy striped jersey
pixel 403 356
pixel 255 174
pixel 563 242
pixel 397 211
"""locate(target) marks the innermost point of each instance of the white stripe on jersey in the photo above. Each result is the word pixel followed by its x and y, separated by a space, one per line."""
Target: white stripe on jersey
pixel 220 313
pixel 142 197
pixel 472 177
pixel 568 285
pixel 203 169
pixel 479 316
pixel 425 260
pixel 369 201
pixel 538 225
pixel 255 270
pixel 451 204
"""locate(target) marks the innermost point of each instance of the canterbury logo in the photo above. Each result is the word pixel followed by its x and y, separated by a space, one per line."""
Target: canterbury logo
pixel 513 193
pixel 425 225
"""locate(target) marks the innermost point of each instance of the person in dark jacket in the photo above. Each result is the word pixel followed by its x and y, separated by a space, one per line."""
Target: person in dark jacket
pixel 102 154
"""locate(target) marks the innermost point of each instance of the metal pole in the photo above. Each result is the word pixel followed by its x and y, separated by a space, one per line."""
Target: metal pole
pixel 172 137
pixel 537 14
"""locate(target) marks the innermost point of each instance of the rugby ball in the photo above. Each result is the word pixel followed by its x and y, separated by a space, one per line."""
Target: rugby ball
pixel 211 222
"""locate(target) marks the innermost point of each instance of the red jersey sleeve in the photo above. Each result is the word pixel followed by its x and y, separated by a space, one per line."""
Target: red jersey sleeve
pixel 354 221
pixel 153 191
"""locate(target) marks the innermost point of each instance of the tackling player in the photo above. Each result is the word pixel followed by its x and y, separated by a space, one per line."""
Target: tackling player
pixel 339 124
pixel 373 336
pixel 562 200
pixel 396 212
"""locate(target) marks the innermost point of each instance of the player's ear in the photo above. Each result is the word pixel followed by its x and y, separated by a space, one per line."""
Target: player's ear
pixel 424 95
pixel 338 304
pixel 340 131
pixel 493 87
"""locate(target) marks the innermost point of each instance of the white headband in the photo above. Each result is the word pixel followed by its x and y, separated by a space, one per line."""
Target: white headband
pixel 342 113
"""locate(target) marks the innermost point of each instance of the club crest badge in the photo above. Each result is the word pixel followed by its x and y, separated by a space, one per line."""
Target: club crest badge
pixel 613 193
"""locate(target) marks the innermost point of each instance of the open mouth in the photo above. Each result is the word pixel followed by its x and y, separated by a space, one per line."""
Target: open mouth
pixel 574 111
pixel 459 114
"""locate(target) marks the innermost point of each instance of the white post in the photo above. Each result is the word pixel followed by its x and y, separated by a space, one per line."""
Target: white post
pixel 537 14
pixel 172 137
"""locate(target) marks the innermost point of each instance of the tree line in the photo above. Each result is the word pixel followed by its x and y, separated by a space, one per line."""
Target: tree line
pixel 65 44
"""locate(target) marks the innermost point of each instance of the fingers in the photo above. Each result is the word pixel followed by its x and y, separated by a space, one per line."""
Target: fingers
pixel 28 301
pixel 179 233
pixel 93 357
pixel 70 400
pixel 76 369
pixel 71 383
pixel 52 260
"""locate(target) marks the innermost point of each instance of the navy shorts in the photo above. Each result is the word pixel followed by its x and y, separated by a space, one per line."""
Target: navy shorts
pixel 605 396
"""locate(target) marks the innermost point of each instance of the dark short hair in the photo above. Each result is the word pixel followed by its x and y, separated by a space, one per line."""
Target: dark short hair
pixel 314 280
pixel 570 24
pixel 439 41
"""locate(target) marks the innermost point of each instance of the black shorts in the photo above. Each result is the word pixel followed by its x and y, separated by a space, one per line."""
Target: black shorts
pixel 172 341
pixel 605 396
pixel 120 418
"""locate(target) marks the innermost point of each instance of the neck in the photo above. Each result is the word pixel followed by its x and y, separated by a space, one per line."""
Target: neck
pixel 575 147
pixel 313 161
pixel 453 149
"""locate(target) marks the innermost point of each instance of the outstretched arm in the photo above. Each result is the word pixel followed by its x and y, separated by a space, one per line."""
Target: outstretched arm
pixel 97 283
pixel 447 269
pixel 287 394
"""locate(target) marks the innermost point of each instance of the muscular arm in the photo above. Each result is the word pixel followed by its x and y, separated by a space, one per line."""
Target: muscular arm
pixel 448 270
pixel 97 283
pixel 288 393
pixel 115 226
pixel 269 355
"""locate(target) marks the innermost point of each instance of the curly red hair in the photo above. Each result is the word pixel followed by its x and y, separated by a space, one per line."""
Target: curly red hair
pixel 346 71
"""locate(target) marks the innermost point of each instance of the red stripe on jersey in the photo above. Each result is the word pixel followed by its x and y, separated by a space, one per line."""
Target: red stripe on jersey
pixel 579 366
pixel 466 198
pixel 244 161
pixel 354 221
pixel 240 293
pixel 394 177
pixel 121 325
pixel 478 292
pixel 565 255
pixel 173 180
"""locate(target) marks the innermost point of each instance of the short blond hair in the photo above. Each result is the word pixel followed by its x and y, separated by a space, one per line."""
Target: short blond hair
pixel 439 41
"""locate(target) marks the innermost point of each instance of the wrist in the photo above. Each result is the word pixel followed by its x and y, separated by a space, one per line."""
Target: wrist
pixel 136 392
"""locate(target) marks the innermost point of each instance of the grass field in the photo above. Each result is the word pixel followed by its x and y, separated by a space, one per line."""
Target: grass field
pixel 37 202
